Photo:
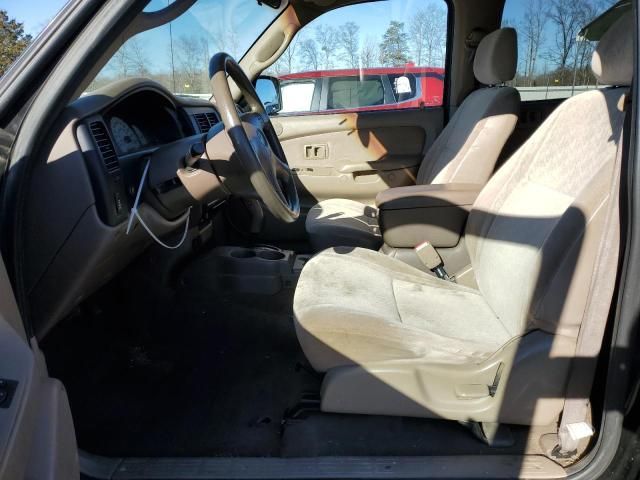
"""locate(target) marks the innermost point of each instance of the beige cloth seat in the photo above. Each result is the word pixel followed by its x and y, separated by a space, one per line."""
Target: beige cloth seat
pixel 465 152
pixel 396 340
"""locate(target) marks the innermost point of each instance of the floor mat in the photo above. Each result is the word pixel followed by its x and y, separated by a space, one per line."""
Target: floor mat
pixel 325 434
pixel 193 376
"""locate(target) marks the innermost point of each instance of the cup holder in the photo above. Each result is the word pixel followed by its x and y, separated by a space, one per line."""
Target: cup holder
pixel 271 255
pixel 243 253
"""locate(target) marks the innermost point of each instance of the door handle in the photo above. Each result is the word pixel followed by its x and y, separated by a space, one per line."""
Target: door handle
pixel 316 152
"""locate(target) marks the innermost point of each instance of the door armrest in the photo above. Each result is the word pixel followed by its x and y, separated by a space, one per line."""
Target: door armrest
pixel 437 213
pixel 391 162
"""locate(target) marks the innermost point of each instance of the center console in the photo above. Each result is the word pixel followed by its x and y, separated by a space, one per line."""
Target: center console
pixel 261 269
pixel 438 213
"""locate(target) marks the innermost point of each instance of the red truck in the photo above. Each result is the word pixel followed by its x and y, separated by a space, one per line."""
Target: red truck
pixel 381 88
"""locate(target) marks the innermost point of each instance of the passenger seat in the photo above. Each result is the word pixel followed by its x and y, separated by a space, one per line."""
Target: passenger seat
pixel 465 152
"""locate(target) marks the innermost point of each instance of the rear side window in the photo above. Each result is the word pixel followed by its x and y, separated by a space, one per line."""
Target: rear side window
pixel 352 92
pixel 380 55
pixel 553 60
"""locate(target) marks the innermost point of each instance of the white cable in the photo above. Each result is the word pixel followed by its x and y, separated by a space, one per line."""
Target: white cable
pixel 160 242
pixel 134 214
pixel 134 209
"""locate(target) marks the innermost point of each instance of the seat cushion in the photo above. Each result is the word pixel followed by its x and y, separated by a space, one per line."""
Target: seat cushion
pixel 340 222
pixel 355 305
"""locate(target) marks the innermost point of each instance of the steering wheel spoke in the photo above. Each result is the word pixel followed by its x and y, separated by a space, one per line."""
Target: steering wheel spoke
pixel 281 168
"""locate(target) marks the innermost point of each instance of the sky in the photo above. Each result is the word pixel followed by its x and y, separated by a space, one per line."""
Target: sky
pixel 210 16
pixel 373 18
pixel 34 14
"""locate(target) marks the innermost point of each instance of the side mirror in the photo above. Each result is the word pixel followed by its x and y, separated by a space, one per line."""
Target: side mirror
pixel 269 93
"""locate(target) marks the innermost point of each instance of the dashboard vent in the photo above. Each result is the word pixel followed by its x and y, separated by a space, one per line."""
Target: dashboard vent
pixel 205 121
pixel 103 141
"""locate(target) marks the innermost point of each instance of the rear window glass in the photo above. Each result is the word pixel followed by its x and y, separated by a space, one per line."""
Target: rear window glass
pixel 351 92
pixel 553 60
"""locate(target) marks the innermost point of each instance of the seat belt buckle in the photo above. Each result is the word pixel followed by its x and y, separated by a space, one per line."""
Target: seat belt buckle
pixel 431 259
pixel 569 435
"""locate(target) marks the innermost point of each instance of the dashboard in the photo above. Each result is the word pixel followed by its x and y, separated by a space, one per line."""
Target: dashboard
pixel 117 139
pixel 145 119
pixel 83 193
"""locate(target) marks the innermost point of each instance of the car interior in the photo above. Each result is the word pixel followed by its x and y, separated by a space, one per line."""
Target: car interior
pixel 215 283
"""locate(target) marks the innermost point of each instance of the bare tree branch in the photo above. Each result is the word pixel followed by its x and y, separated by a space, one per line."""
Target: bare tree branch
pixel 327 41
pixel 349 43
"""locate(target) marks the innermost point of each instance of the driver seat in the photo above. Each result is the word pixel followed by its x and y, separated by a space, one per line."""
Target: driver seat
pixel 395 340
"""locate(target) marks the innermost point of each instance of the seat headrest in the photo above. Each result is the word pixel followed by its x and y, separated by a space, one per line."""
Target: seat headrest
pixel 612 61
pixel 496 57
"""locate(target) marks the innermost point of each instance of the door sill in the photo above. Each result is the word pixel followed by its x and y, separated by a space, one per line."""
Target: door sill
pixel 444 467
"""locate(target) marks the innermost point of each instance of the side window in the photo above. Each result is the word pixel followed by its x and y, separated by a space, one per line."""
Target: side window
pixel 368 56
pixel 554 61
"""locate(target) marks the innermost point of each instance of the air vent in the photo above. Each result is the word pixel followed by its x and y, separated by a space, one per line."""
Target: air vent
pixel 205 121
pixel 107 152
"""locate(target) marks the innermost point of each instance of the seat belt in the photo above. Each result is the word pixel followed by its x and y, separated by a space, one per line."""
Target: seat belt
pixel 574 425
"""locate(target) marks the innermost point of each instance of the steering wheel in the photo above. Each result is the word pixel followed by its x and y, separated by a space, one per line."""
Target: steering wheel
pixel 254 140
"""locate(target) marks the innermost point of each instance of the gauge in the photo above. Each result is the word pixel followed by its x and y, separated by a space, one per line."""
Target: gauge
pixel 124 136
pixel 140 135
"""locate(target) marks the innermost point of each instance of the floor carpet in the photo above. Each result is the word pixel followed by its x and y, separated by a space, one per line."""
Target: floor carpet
pixel 154 371
pixel 190 376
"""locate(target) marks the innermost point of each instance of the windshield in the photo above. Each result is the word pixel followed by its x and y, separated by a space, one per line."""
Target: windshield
pixel 177 54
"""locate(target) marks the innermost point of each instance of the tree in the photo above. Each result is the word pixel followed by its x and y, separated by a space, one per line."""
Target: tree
pixel 369 53
pixel 226 40
pixel 13 40
pixel 583 49
pixel 206 56
pixel 130 60
pixel 569 53
pixel 120 62
pixel 419 28
pixel 310 54
pixel 349 43
pixel 287 62
pixel 190 59
pixel 531 29
pixel 327 41
pixel 428 35
pixel 138 57
pixel 394 50
pixel 566 16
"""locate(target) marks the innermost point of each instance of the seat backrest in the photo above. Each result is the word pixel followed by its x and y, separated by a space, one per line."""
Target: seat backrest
pixel 467 149
pixel 534 231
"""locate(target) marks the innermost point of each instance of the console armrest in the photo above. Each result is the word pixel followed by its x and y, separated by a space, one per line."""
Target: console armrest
pixel 437 213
